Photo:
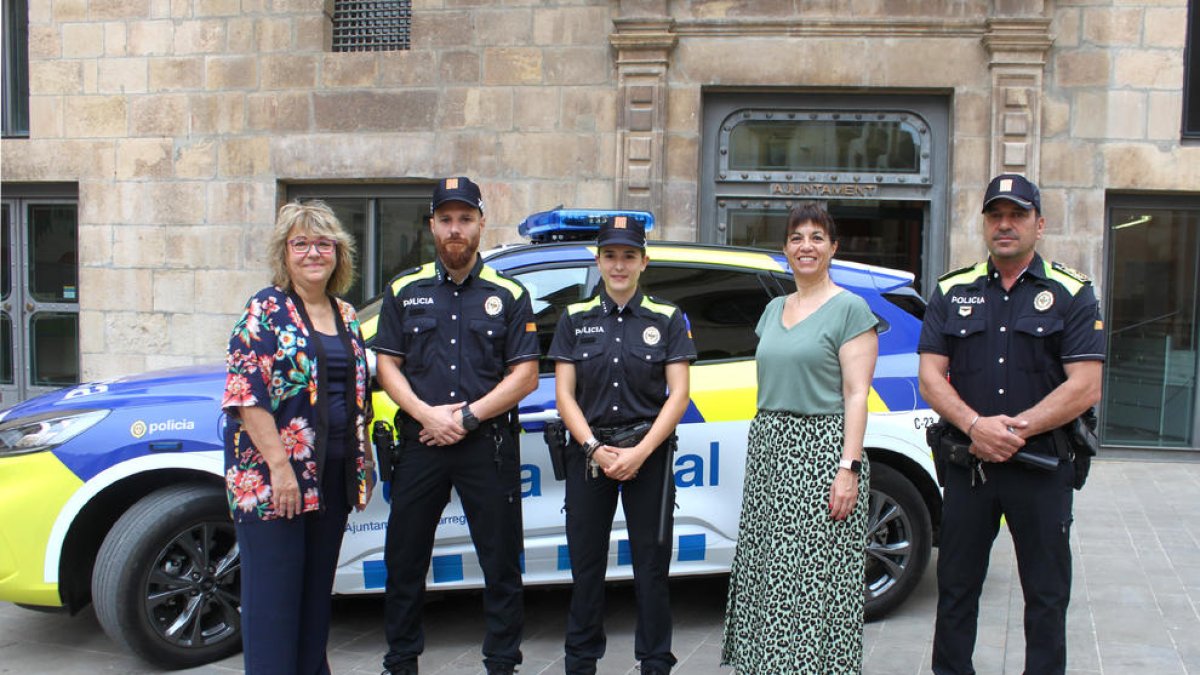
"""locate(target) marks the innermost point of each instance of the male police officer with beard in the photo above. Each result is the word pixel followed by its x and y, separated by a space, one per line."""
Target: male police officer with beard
pixel 1022 344
pixel 457 351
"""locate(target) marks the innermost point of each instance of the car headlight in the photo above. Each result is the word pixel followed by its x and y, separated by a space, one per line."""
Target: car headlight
pixel 26 435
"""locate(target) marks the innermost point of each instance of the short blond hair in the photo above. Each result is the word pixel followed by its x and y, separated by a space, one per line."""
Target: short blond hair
pixel 311 218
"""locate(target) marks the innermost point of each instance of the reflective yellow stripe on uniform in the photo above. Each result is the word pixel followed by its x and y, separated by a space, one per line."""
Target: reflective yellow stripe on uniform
pixel 962 276
pixel 426 271
pixel 1063 276
pixel 583 306
pixel 665 310
pixel 489 274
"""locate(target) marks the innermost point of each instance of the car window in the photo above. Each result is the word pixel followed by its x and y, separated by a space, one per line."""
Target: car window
pixel 722 305
pixel 550 290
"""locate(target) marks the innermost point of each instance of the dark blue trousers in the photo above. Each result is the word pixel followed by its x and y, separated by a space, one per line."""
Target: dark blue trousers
pixel 1037 506
pixel 591 504
pixel 488 481
pixel 287 578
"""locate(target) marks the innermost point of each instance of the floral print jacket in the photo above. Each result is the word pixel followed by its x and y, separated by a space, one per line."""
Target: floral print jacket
pixel 275 364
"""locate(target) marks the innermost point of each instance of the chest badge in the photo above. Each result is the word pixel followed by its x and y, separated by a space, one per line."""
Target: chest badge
pixel 1043 301
pixel 493 305
pixel 651 336
pixel 965 310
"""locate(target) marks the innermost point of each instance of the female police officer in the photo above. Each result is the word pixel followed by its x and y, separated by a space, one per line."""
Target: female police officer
pixel 621 380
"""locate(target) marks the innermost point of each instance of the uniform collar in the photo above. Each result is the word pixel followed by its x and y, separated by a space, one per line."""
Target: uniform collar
pixel 1036 269
pixel 607 306
pixel 444 276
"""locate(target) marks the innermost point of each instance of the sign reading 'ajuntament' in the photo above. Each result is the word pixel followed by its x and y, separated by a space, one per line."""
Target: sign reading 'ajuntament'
pixel 823 189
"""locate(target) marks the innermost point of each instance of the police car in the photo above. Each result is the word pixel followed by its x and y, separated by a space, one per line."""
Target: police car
pixel 112 492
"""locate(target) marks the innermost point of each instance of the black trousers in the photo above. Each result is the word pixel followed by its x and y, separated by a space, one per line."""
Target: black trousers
pixel 1037 506
pixel 591 504
pixel 287 577
pixel 486 476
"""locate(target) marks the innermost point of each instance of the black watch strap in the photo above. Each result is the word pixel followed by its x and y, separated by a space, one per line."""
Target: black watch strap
pixel 470 422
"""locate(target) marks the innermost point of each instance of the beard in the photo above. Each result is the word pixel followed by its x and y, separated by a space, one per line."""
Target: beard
pixel 458 252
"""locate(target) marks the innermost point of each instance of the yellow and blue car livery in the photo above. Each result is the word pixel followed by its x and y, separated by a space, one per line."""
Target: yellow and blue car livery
pixel 74 462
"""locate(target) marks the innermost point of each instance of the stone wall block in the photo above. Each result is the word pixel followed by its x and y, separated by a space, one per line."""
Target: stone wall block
pixel 248 156
pixel 176 73
pixel 589 109
pixel 1153 69
pixel 479 154
pixel 477 107
pixel 1056 116
pixel 314 33
pixel 408 68
pixel 278 112
pixel 289 71
pixel 348 69
pixel 95 244
pixel 578 65
pixel 1109 26
pixel 1067 27
pixel 46 116
pixel 683 109
pixel 227 291
pixel 969 173
pixel 55 77
pixel 240 35
pixel 1151 167
pixel 200 37
pixel 158 115
pixel 105 10
pixel 139 246
pixel 95 116
pixel 159 203
pixel 274 34
pixel 116 39
pixel 1083 68
pixel 176 9
pixel 1087 212
pixel 202 248
pixel 439 30
pixel 216 7
pixel 124 289
pixel 683 150
pixel 503 27
pixel 1164 116
pixel 512 65
pixel 537 108
pixel 240 203
pixel 459 67
pixel 223 73
pixel 218 113
pixel 91 335
pixel 375 110
pixel 572 25
pixel 122 76
pixel 65 10
pixel 1067 164
pixel 137 333
pixel 1166 27
pixel 45 41
pixel 196 158
pixel 139 159
pixel 151 38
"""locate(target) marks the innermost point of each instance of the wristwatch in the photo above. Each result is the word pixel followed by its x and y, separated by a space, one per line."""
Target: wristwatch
pixel 850 465
pixel 470 422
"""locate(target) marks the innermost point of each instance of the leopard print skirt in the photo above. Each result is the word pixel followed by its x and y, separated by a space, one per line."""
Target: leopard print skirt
pixel 796 588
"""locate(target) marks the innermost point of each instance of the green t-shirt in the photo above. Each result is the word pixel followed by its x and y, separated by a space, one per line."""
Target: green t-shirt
pixel 798 367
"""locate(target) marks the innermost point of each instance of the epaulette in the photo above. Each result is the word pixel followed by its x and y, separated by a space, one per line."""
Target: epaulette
pixel 956 272
pixel 659 306
pixel 411 274
pixel 962 275
pixel 1071 272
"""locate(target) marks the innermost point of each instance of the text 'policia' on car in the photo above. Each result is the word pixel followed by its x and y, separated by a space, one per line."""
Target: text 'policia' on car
pixel 113 492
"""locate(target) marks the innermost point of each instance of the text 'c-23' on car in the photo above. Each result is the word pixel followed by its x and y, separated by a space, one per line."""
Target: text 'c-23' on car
pixel 112 492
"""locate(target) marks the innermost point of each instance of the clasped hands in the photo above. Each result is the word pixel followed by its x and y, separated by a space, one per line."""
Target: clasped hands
pixel 997 438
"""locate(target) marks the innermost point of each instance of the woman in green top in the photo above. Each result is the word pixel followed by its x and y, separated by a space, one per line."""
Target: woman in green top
pixel 795 591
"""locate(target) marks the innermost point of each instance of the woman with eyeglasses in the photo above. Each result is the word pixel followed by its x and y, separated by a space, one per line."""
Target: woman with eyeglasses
pixel 296 452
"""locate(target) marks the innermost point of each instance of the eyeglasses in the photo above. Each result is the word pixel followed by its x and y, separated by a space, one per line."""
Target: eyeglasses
pixel 302 245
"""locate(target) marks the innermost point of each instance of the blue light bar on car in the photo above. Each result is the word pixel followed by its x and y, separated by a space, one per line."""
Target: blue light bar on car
pixel 575 224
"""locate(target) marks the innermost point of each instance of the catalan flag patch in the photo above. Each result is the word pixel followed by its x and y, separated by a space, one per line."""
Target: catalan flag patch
pixel 1099 324
pixel 531 327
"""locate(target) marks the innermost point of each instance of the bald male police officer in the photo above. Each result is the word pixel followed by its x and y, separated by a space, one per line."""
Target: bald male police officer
pixel 457 351
pixel 1011 353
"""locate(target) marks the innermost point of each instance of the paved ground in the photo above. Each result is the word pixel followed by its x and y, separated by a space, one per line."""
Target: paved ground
pixel 1135 607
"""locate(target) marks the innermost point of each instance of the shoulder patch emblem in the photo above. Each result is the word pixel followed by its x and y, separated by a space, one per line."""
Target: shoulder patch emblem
pixel 1073 273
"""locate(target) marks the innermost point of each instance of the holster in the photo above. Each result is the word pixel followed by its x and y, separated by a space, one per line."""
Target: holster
pixel 555 433
pixel 949 446
pixel 1084 444
pixel 385 448
pixel 625 436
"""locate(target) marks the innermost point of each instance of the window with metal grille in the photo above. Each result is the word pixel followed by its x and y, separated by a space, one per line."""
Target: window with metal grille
pixel 371 25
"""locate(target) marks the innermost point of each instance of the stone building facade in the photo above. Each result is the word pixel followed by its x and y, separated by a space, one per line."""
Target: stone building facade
pixel 177 127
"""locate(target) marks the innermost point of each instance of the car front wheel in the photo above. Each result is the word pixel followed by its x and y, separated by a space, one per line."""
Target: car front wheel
pixel 166 580
pixel 899 540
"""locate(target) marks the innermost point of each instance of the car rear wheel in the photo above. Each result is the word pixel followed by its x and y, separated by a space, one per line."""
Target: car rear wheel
pixel 899 539
pixel 166 580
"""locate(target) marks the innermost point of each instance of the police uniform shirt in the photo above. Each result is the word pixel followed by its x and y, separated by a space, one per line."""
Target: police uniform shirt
pixel 620 355
pixel 456 339
pixel 1007 348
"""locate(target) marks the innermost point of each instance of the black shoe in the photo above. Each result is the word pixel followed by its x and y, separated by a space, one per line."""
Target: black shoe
pixel 499 670
pixel 409 668
pixel 653 670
